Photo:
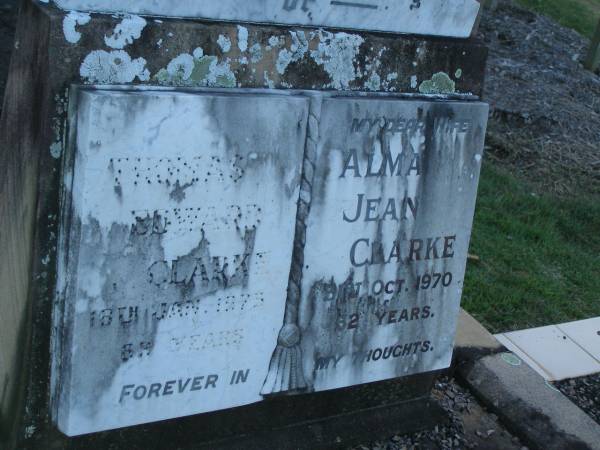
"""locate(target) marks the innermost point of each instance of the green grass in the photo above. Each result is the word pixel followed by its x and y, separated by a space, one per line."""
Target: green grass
pixel 540 256
pixel 581 15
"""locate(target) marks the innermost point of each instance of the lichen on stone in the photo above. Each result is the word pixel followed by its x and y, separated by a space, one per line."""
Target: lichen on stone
pixel 114 67
pixel 126 32
pixel 71 21
pixel 197 70
pixel 242 38
pixel 56 150
pixel 374 82
pixel 337 53
pixel 225 43
pixel 256 53
pixel 440 83
pixel 297 50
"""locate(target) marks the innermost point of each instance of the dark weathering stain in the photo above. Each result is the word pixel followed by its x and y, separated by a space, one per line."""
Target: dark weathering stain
pixel 325 319
pixel 178 192
pixel 265 131
pixel 121 258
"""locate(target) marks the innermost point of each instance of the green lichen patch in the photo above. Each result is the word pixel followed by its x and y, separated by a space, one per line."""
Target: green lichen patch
pixel 196 71
pixel 440 83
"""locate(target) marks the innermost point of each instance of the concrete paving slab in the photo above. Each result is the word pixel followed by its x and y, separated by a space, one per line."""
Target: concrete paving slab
pixel 531 407
pixel 586 334
pixel 552 350
pixel 510 345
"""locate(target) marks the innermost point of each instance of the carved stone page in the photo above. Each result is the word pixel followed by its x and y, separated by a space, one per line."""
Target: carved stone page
pixel 393 198
pixel 175 252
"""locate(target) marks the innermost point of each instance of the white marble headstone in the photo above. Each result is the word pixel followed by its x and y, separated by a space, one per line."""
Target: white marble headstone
pixel 219 248
pixel 454 18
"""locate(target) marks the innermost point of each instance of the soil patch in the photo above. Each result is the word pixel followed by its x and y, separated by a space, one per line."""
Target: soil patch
pixel 545 107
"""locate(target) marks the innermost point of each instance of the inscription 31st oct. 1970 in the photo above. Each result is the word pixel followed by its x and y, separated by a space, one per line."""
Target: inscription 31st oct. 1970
pixel 228 247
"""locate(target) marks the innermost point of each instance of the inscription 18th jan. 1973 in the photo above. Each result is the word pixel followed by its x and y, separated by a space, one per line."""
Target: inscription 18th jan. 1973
pixel 218 248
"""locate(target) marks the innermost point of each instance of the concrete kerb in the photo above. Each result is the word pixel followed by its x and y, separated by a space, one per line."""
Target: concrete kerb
pixel 531 408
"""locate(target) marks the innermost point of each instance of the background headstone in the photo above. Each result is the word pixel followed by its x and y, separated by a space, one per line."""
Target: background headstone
pixel 433 17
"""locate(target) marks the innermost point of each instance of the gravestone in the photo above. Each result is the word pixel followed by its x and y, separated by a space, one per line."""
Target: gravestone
pixel 252 231
pixel 440 18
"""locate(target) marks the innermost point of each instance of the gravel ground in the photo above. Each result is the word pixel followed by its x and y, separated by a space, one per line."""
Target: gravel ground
pixel 585 393
pixel 470 426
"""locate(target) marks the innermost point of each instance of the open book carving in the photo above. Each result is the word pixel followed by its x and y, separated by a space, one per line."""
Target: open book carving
pixel 221 248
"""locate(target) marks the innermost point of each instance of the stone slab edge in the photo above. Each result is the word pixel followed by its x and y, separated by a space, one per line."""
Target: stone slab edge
pixel 25 125
pixel 445 18
pixel 529 407
pixel 540 415
pixel 473 341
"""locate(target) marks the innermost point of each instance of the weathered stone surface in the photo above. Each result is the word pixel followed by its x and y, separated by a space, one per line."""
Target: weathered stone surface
pixel 175 260
pixel 323 421
pixel 24 129
pixel 8 21
pixel 202 54
pixel 454 18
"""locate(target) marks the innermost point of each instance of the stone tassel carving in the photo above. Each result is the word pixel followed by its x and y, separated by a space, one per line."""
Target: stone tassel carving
pixel 286 374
